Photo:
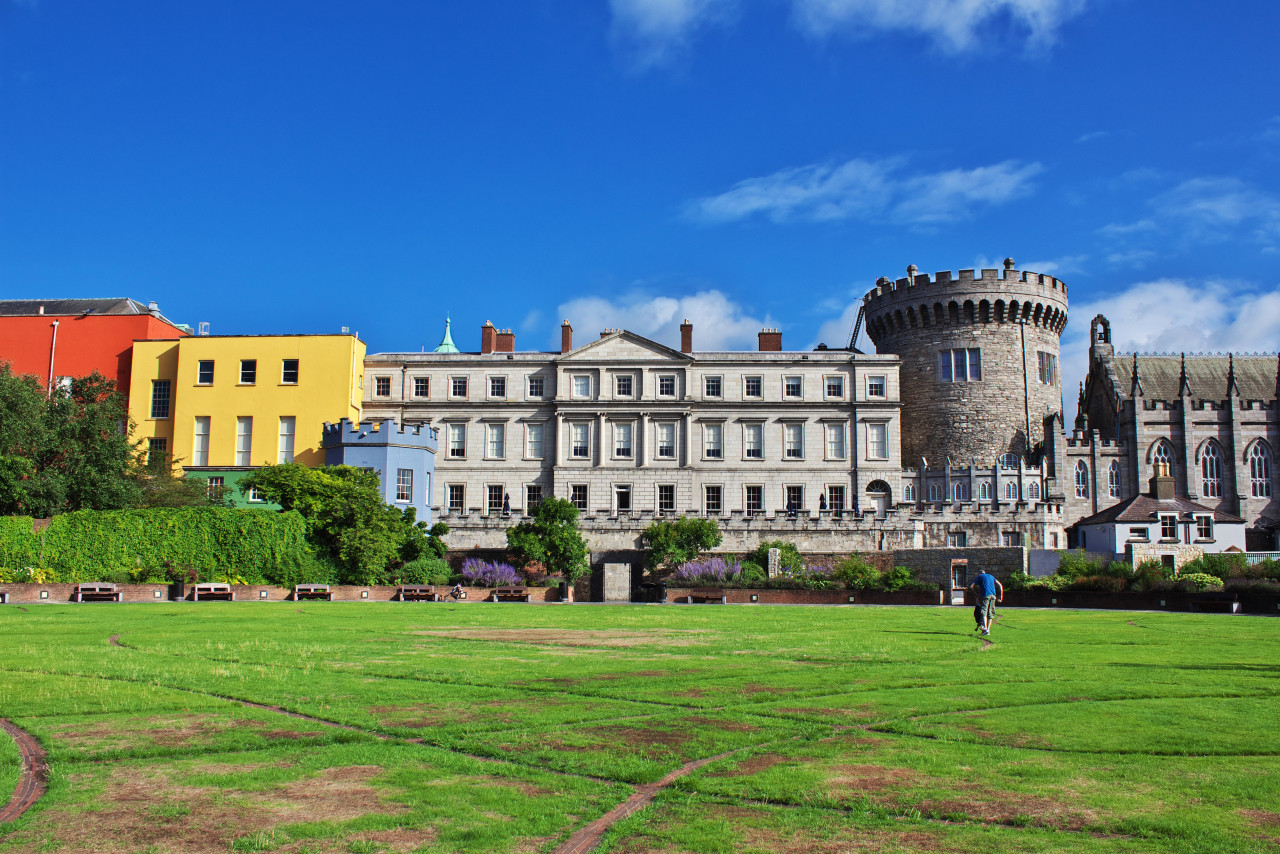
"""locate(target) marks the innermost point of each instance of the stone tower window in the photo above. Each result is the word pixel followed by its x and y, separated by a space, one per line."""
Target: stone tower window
pixel 960 365
pixel 1082 479
pixel 1113 480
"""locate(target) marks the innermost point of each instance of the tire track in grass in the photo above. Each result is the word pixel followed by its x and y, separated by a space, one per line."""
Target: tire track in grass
pixel 586 838
pixel 33 779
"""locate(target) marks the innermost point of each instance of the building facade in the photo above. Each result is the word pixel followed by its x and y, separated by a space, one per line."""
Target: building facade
pixel 54 339
pixel 1211 419
pixel 221 406
pixel 403 457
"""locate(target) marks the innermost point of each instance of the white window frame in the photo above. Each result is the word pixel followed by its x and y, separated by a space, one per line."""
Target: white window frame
pixel 1211 471
pixel 1260 470
pixel 457 432
pixel 495 446
pixel 284 371
pixel 583 502
pixel 1082 479
pixel 498 387
pixel 1204 528
pixel 541 387
pixel 658 448
pixel 658 502
pixel 747 499
pixel 753 440
pixel 713 386
pixel 244 440
pixel 534 438
pixel 713 441
pixel 580 385
pixel 828 381
pixel 707 503
pixel 746 387
pixel 382 386
pixel 837 450
pixel 404 486
pixel 788 391
pixel 200 440
pixel 579 451
pixel 877 380
pixel 793 440
pixel 664 379
pixel 629 380
pixel 422 387
pixel 288 434
pixel 458 491
pixel 454 383
pixel 877 440
pixel 624 440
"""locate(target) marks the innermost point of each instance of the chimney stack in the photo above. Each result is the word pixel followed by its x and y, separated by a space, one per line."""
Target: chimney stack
pixel 488 338
pixel 1162 488
pixel 770 341
pixel 566 337
pixel 686 336
pixel 153 309
pixel 506 342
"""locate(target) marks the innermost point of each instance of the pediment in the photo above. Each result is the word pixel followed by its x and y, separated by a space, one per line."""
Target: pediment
pixel 624 346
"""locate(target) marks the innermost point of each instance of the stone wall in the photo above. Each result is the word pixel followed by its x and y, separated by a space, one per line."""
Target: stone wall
pixel 935 564
pixel 35 594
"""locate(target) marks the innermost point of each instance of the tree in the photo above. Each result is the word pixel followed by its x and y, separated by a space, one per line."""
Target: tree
pixel 160 487
pixel 347 520
pixel 680 541
pixel 551 539
pixel 65 450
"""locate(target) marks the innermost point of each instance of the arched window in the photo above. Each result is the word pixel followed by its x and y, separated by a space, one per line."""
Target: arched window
pixel 1211 471
pixel 908 492
pixel 1082 480
pixel 984 491
pixel 1260 470
pixel 1162 454
pixel 960 491
pixel 1011 490
pixel 1033 490
pixel 1008 461
pixel 1113 480
pixel 935 491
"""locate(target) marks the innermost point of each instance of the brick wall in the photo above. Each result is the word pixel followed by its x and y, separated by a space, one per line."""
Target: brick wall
pixel 935 564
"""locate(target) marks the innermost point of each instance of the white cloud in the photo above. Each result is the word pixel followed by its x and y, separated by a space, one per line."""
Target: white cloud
pixel 835 332
pixel 1199 210
pixel 955 25
pixel 866 189
pixel 1061 267
pixel 657 31
pixel 1093 136
pixel 719 323
pixel 1174 316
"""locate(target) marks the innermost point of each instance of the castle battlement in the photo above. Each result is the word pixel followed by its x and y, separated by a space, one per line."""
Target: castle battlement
pixel 1083 439
pixel 944 282
pixel 346 432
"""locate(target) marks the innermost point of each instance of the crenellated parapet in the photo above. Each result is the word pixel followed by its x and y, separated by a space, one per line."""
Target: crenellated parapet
pixel 991 297
pixel 373 433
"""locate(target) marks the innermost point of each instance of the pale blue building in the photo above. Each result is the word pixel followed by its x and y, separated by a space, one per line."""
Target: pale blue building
pixel 404 458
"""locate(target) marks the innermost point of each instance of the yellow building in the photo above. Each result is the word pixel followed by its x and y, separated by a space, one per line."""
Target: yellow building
pixel 223 405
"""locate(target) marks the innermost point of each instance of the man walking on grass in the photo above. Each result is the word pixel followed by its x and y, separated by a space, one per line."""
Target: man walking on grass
pixel 987 591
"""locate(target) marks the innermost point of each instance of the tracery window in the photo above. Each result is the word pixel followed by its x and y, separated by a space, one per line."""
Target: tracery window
pixel 1082 480
pixel 1113 480
pixel 1260 470
pixel 1211 472
pixel 1033 490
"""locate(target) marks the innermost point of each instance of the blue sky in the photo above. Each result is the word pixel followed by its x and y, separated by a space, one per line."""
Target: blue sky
pixel 301 166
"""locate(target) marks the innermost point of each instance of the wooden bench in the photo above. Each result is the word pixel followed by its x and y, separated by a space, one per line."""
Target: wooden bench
pixel 1228 603
pixel 312 591
pixel 511 594
pixel 417 593
pixel 707 596
pixel 213 590
pixel 97 591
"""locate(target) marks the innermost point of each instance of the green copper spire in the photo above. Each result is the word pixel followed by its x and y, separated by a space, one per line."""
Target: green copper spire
pixel 447 345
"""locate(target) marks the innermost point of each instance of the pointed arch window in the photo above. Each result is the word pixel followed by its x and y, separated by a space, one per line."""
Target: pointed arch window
pixel 1260 470
pixel 984 491
pixel 1082 479
pixel 1010 490
pixel 1162 454
pixel 960 491
pixel 935 491
pixel 1033 490
pixel 908 492
pixel 1211 471
pixel 1113 480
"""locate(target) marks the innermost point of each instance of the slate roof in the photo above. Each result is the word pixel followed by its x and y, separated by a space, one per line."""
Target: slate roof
pixel 1144 508
pixel 63 307
pixel 1206 376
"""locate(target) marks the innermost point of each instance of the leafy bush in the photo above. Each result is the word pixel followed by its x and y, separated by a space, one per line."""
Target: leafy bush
pixel 856 574
pixel 1252 585
pixel 1198 581
pixel 1266 569
pixel 425 570
pixel 752 575
pixel 1075 563
pixel 1053 582
pixel 1149 573
pixel 713 571
pixel 789 557
pixel 1100 583
pixel 680 541
pixel 482 573
pixel 1220 566
pixel 312 569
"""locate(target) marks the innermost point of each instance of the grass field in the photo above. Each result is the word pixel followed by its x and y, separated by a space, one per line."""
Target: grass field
pixel 508 727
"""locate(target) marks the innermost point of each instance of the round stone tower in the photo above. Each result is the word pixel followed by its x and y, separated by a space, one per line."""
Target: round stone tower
pixel 980 367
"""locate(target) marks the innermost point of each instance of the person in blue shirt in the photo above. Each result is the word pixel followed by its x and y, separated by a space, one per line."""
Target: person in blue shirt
pixel 987 591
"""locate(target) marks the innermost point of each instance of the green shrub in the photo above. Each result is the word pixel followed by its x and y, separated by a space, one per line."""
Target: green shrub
pixel 1118 569
pixel 1252 585
pixel 789 557
pixel 1100 583
pixel 752 575
pixel 1075 563
pixel 1198 581
pixel 425 570
pixel 1266 569
pixel 1149 573
pixel 1220 566
pixel 311 569
pixel 856 574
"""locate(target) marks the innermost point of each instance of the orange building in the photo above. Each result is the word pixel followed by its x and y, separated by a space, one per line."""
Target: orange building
pixel 57 338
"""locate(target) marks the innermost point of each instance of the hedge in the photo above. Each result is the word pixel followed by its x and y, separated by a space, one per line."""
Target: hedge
pixel 90 544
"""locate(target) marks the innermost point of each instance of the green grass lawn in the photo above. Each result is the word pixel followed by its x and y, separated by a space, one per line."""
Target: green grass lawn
pixel 507 727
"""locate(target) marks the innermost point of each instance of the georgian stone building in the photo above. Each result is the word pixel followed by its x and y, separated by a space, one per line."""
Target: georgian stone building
pixel 624 426
pixel 1212 420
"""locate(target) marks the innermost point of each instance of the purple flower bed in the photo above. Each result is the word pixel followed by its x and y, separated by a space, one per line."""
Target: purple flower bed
pixel 483 573
pixel 712 571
